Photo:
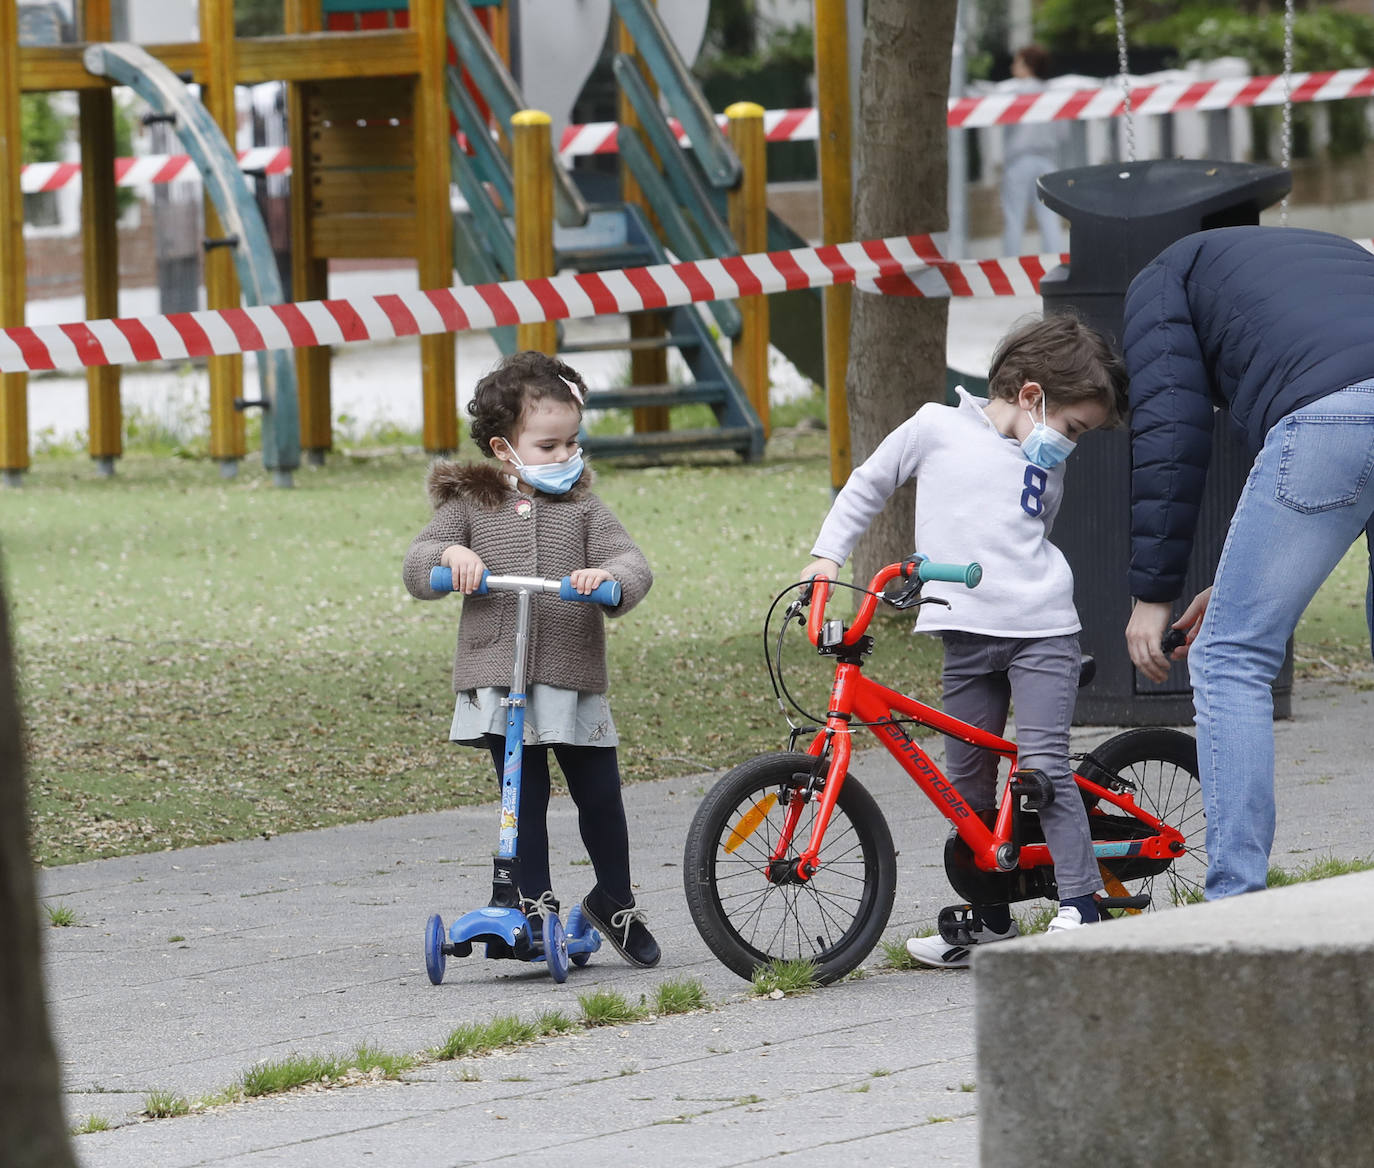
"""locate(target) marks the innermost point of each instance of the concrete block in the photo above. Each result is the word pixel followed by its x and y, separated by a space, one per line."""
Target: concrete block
pixel 1238 1034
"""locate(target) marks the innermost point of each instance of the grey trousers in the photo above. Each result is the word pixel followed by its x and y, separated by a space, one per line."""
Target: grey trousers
pixel 983 676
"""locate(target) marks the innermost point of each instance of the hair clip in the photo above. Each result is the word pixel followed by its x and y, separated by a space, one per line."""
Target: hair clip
pixel 572 389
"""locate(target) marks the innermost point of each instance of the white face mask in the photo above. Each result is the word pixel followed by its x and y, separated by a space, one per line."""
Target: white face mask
pixel 1045 446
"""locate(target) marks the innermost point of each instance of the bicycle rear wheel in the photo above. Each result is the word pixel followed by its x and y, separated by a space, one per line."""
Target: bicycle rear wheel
pixel 832 919
pixel 1161 765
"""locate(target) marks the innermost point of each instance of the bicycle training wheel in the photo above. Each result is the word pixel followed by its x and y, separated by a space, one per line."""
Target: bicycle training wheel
pixel 1161 765
pixel 747 919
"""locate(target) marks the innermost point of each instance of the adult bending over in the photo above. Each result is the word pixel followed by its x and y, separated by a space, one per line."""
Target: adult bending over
pixel 1277 325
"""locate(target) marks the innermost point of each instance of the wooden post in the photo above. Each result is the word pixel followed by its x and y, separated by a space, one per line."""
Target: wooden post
pixel 100 242
pixel 227 440
pixel 748 205
pixel 532 166
pixel 837 215
pixel 434 220
pixel 498 28
pixel 648 366
pixel 14 400
pixel 309 275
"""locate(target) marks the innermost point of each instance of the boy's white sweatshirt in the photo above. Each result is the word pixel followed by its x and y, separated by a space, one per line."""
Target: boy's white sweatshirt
pixel 977 498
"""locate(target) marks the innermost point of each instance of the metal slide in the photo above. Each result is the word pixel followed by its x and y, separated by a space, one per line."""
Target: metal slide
pixel 238 212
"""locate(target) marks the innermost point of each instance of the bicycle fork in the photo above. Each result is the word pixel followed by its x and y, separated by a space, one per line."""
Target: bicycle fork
pixel 835 742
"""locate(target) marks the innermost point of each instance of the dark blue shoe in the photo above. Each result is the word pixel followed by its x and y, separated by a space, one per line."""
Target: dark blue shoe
pixel 623 927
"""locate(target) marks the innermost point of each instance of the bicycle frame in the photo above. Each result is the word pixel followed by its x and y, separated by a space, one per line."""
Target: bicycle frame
pixel 855 697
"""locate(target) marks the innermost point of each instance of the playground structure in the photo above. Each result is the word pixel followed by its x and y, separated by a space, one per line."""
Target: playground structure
pixel 389 103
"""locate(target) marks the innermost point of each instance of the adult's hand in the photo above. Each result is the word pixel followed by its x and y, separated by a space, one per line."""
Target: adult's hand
pixel 1144 632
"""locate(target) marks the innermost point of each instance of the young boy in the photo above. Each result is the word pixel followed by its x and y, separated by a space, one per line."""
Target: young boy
pixel 990 479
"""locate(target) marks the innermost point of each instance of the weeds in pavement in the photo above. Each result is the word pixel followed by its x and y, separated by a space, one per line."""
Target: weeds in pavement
pixel 608 1008
pixel 794 976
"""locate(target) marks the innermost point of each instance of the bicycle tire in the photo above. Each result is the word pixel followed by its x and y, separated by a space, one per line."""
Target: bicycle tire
pixel 1162 766
pixel 833 919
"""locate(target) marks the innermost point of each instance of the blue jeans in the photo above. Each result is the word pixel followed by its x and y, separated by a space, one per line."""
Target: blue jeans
pixel 1018 193
pixel 1309 496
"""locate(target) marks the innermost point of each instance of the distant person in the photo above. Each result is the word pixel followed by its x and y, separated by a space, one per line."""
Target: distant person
pixel 990 478
pixel 534 514
pixel 1030 149
pixel 1276 325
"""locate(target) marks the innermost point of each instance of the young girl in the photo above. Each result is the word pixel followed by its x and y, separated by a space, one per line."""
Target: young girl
pixel 989 483
pixel 534 514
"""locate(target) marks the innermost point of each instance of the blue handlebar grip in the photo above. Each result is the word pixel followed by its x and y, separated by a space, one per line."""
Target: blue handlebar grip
pixel 607 593
pixel 966 574
pixel 441 580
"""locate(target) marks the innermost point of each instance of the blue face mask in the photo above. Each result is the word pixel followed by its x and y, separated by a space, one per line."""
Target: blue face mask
pixel 553 478
pixel 1045 446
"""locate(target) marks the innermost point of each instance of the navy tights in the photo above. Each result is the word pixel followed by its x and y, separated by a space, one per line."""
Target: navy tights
pixel 593 774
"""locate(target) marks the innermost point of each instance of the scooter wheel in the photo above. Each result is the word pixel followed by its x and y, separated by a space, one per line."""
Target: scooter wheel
pixel 434 949
pixel 577 927
pixel 556 947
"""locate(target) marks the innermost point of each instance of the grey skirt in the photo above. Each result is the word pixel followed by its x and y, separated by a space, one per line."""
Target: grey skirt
pixel 551 715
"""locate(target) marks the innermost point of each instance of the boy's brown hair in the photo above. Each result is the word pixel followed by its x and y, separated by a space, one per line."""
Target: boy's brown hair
pixel 1068 360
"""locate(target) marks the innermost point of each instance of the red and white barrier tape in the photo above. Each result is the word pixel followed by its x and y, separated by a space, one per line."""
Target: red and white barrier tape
pixel 909 265
pixel 803 125
pixel 150 168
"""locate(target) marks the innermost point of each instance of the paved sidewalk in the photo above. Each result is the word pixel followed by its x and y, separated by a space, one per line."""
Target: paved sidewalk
pixel 187 967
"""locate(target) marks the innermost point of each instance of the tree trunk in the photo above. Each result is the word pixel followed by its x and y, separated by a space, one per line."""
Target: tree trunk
pixel 897 343
pixel 33 1131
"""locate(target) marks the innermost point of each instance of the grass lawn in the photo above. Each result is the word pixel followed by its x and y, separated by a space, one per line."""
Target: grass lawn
pixel 203 660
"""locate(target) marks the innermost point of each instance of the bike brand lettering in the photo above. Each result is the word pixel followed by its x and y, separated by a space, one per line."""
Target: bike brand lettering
pixel 927 772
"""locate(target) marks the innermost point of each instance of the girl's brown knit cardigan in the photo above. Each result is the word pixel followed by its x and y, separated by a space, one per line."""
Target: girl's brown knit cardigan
pixel 526 535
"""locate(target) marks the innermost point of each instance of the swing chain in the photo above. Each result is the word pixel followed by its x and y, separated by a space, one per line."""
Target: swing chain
pixel 1287 133
pixel 1125 80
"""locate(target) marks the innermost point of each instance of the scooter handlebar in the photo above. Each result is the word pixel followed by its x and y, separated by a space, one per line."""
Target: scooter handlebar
pixel 607 593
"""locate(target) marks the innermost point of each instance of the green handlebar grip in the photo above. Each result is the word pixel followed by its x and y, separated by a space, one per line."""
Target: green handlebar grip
pixel 966 574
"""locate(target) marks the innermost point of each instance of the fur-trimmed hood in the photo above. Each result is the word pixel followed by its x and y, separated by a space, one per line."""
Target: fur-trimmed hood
pixel 485 484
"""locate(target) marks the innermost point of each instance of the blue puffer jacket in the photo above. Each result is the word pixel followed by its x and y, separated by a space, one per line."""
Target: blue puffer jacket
pixel 1262 320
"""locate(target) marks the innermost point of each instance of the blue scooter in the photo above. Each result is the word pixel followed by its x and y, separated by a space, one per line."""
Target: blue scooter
pixel 501 925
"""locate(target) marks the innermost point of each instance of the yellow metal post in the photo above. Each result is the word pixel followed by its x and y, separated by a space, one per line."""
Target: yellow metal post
pixel 100 243
pixel 748 205
pixel 309 275
pixel 532 166
pixel 14 401
pixel 837 215
pixel 647 366
pixel 227 440
pixel 434 220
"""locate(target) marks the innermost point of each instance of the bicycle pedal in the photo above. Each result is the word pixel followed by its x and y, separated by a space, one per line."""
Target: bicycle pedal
pixel 955 924
pixel 1035 787
pixel 1110 902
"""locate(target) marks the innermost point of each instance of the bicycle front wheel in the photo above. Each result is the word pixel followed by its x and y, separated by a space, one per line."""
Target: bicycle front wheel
pixel 748 918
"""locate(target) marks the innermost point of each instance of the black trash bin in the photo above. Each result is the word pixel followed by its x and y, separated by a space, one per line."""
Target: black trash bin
pixel 1121 216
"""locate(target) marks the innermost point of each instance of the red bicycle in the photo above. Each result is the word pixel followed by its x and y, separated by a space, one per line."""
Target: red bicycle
pixel 789 856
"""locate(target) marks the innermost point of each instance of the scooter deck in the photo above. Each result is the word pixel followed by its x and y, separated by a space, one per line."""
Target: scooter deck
pixel 509 927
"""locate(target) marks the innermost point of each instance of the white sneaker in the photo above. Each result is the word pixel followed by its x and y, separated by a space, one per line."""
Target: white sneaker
pixel 938 953
pixel 1068 918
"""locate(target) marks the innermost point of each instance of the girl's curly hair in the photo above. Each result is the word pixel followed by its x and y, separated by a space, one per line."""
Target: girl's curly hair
pixel 504 394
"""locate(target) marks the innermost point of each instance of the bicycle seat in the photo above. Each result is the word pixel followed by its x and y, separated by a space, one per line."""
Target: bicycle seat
pixel 1087 669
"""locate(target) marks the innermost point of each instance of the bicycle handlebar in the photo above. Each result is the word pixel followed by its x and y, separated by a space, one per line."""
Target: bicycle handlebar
pixel 970 575
pixel 607 593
